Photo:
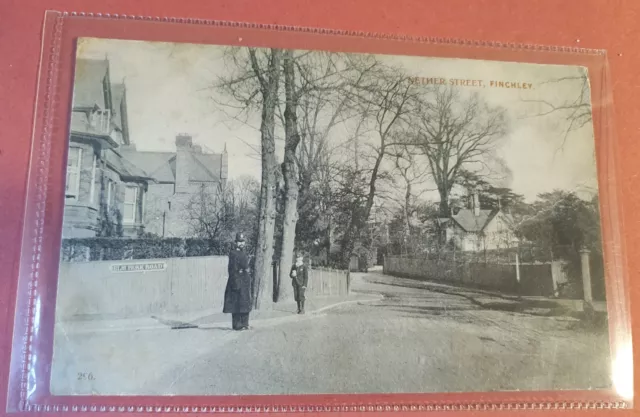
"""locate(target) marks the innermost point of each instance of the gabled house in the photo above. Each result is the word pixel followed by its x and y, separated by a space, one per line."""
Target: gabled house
pixel 104 192
pixel 477 229
pixel 112 189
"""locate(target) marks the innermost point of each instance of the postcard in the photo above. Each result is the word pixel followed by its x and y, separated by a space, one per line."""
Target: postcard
pixel 249 221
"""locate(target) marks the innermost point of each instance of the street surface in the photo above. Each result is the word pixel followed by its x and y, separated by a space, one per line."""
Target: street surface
pixel 412 339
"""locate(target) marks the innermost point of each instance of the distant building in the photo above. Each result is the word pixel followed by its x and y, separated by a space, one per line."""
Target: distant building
pixel 477 229
pixel 111 188
pixel 179 178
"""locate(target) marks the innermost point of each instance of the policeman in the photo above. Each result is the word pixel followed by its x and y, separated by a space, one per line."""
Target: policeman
pixel 237 295
pixel 299 279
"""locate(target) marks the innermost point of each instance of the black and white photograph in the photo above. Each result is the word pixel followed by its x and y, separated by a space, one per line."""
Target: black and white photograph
pixel 261 221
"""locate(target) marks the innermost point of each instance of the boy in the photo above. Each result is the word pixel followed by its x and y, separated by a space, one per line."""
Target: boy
pixel 299 278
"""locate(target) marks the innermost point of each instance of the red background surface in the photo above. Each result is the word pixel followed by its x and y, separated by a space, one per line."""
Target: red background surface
pixel 612 25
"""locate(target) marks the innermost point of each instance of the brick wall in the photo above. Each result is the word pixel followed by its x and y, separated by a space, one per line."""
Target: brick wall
pixel 164 205
pixel 79 221
pixel 157 208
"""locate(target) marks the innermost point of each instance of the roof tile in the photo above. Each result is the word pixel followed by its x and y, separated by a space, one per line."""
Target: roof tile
pixel 467 219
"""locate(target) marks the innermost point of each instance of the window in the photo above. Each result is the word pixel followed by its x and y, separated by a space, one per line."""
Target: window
pixel 131 198
pixel 101 120
pixel 92 190
pixel 111 194
pixel 74 163
pixel 143 208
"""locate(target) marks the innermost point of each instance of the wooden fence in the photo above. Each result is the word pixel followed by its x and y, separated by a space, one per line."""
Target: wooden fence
pixel 142 288
pixel 541 278
pixel 328 282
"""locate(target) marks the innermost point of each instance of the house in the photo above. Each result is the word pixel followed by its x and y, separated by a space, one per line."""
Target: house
pixel 179 179
pixel 112 189
pixel 477 229
pixel 104 192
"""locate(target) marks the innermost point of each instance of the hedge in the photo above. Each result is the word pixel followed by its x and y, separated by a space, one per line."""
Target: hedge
pixel 113 248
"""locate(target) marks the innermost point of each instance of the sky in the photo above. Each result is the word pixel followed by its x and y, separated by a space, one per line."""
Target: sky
pixel 169 92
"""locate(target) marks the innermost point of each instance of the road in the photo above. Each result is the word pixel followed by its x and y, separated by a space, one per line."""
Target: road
pixel 413 340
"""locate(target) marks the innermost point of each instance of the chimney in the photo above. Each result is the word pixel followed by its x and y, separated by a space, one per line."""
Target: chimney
pixel 224 165
pixel 184 144
pixel 476 203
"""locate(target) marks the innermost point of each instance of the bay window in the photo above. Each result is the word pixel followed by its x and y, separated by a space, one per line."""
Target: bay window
pixel 74 164
pixel 92 190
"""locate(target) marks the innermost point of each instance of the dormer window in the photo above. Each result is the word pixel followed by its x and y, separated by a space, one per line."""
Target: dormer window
pixel 101 121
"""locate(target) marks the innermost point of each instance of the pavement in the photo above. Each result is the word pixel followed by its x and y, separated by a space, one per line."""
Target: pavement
pixel 280 312
pixel 402 335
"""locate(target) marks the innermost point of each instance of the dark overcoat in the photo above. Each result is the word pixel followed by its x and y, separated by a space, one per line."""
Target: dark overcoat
pixel 237 295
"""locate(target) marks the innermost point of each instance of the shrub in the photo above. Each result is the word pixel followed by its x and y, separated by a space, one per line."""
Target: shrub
pixel 113 248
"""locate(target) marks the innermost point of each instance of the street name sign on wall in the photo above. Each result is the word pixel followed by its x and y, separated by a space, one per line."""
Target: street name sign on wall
pixel 139 267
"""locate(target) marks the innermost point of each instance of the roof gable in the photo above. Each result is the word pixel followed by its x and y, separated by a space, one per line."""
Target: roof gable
pixel 162 165
pixel 91 76
pixel 469 222
pixel 157 164
pixel 125 168
pixel 205 167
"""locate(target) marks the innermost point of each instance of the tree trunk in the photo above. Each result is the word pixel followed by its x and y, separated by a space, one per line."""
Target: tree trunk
pixel 263 272
pixel 347 246
pixel 359 220
pixel 445 213
pixel 328 239
pixel 407 209
pixel 290 175
pixel 445 210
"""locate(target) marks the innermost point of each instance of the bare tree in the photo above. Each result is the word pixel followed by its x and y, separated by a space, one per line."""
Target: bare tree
pixel 268 75
pixel 384 101
pixel 208 213
pixel 216 212
pixel 310 79
pixel 316 167
pixel 332 79
pixel 412 174
pixel 253 83
pixel 454 133
pixel 290 174
pixel 575 110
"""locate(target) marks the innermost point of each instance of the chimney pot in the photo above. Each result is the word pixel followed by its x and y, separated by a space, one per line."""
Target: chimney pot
pixel 184 141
